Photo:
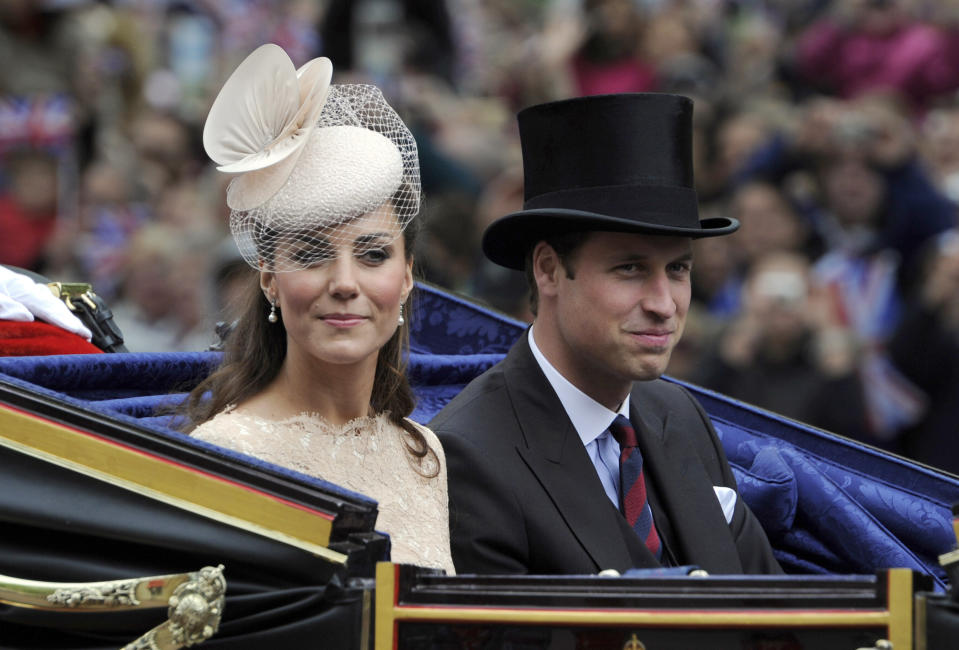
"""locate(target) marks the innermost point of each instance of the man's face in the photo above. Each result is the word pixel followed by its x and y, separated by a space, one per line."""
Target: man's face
pixel 854 192
pixel 620 316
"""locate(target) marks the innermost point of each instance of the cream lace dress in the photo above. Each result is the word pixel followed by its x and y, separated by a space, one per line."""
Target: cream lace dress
pixel 367 455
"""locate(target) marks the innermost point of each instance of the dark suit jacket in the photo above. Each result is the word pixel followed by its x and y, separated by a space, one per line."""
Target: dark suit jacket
pixel 525 498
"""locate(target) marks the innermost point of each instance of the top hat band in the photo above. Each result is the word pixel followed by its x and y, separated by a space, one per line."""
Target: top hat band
pixel 655 204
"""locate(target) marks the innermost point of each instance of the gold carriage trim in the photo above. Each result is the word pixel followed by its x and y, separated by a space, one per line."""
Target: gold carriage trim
pixel 896 617
pixel 194 602
pixel 163 480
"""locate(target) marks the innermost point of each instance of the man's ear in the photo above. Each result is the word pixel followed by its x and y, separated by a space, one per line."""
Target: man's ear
pixel 546 269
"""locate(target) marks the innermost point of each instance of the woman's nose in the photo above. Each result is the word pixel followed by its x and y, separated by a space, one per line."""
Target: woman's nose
pixel 343 277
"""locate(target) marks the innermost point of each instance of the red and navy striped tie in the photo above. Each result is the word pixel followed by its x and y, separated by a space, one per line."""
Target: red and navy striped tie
pixel 632 485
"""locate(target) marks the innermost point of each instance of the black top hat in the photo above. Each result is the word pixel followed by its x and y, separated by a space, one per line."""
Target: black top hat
pixel 619 163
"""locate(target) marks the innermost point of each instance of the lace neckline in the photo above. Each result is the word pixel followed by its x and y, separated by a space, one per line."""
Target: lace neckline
pixel 355 426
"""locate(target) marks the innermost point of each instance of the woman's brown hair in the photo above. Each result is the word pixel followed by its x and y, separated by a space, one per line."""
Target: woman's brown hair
pixel 255 351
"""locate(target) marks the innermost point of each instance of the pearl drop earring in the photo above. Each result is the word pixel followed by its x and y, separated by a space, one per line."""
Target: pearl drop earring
pixel 401 320
pixel 272 317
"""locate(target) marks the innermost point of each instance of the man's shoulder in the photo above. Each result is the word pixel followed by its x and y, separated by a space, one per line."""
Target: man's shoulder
pixel 668 398
pixel 660 391
pixel 483 396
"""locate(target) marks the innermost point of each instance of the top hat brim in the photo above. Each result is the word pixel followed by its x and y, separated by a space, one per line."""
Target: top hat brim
pixel 507 240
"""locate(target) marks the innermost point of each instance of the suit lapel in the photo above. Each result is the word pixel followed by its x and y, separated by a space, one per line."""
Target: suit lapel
pixel 685 507
pixel 555 454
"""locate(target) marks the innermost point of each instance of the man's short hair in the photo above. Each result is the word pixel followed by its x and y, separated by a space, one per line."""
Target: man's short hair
pixel 565 244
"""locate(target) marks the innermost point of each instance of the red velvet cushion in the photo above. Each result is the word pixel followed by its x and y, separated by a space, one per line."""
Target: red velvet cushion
pixel 21 339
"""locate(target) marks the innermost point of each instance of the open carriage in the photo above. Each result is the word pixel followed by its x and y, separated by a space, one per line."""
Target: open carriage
pixel 108 515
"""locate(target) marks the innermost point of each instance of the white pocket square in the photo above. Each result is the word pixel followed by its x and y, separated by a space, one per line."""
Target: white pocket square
pixel 727 500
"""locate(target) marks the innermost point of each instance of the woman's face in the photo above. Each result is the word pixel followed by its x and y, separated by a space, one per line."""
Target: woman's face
pixel 345 305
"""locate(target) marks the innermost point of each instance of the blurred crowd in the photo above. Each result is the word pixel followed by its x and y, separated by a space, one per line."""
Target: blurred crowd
pixel 830 129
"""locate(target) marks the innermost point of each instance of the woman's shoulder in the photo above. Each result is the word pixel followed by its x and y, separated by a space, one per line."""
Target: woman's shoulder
pixel 223 423
pixel 427 434
pixel 236 422
pixel 435 449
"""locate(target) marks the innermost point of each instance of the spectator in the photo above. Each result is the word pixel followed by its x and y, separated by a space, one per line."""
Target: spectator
pixel 862 46
pixel 164 304
pixel 872 191
pixel 939 143
pixel 778 355
pixel 28 208
pixel 501 288
pixel 610 58
pixel 592 48
pixel 94 247
pixel 45 42
pixel 925 346
pixel 769 224
pixel 164 150
pixel 880 210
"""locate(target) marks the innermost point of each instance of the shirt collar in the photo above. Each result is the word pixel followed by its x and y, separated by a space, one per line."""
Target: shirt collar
pixel 589 417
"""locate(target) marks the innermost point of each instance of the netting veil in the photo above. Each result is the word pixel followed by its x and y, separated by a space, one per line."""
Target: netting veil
pixel 314 160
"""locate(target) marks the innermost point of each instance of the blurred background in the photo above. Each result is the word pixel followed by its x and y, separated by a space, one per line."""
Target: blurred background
pixel 830 129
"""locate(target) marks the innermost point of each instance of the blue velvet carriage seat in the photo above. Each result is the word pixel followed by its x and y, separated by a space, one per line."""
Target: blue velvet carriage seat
pixel 829 505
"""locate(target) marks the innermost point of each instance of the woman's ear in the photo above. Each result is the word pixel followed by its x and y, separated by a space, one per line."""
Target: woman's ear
pixel 408 279
pixel 268 284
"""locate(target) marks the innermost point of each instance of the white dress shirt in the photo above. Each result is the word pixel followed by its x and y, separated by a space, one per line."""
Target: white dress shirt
pixel 591 421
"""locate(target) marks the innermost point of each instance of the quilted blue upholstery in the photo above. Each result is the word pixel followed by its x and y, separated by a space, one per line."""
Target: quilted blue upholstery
pixel 828 504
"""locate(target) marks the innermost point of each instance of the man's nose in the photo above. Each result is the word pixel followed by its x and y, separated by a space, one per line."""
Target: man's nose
pixel 658 296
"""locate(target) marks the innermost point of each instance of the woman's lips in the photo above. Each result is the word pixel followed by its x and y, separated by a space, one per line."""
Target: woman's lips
pixel 342 320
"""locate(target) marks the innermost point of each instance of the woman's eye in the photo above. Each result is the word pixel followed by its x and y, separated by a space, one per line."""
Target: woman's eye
pixel 374 255
pixel 309 256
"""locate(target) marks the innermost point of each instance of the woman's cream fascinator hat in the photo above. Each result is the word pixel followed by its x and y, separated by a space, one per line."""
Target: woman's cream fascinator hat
pixel 309 156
